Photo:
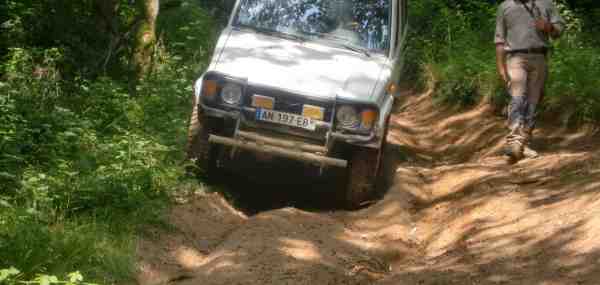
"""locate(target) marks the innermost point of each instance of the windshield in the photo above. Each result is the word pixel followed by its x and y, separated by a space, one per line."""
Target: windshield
pixel 357 23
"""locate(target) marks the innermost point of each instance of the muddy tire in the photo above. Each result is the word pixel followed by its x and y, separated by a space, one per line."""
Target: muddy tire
pixel 363 173
pixel 198 148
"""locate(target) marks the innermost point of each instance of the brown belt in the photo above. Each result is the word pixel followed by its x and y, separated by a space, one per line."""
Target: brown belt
pixel 542 50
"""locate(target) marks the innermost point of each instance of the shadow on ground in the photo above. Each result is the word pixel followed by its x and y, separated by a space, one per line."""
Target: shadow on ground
pixel 258 186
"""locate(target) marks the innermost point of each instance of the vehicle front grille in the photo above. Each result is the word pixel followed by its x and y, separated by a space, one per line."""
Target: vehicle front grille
pixel 290 103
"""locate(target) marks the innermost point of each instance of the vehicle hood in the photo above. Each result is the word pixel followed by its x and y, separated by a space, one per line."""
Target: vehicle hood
pixel 310 68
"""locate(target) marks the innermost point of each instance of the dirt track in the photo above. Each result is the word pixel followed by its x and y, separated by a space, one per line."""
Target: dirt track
pixel 454 212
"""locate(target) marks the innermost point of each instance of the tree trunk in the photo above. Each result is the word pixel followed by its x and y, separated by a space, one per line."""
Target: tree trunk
pixel 145 37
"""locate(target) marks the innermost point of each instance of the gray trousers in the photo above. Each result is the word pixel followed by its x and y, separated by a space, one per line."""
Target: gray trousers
pixel 527 73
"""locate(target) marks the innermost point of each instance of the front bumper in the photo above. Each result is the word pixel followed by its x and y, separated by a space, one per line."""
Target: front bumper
pixel 313 154
pixel 286 144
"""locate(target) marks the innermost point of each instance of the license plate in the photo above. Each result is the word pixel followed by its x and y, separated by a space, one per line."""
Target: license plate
pixel 286 119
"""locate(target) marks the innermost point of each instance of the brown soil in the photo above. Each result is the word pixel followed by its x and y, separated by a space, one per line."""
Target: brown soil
pixel 454 212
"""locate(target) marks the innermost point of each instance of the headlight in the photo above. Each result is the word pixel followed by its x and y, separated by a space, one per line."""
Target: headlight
pixel 231 94
pixel 355 118
pixel 347 117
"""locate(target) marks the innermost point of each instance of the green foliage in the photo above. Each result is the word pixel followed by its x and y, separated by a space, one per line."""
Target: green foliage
pixel 78 28
pixel 182 28
pixel 451 43
pixel 220 9
pixel 10 276
pixel 572 92
pixel 75 167
pixel 83 165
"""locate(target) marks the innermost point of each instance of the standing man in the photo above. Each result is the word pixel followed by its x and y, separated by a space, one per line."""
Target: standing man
pixel 523 30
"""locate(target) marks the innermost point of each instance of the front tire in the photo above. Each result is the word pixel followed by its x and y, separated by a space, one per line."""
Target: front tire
pixel 363 173
pixel 198 148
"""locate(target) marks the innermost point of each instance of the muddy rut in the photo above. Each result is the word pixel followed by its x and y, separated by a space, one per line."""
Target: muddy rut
pixel 453 211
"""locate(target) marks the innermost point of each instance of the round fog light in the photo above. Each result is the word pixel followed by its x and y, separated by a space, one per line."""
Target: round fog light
pixel 231 94
pixel 347 117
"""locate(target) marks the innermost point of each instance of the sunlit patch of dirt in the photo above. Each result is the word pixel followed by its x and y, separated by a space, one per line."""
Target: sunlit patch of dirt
pixel 454 211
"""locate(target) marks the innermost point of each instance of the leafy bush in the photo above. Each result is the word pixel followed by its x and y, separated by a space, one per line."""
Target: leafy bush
pixel 72 170
pixel 573 90
pixel 84 166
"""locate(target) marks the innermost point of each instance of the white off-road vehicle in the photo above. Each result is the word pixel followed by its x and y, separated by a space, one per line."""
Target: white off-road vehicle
pixel 307 80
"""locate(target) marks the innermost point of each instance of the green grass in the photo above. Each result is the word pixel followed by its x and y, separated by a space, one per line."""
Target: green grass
pixel 100 249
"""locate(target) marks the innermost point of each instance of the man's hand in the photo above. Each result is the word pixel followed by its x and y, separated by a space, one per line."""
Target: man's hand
pixel 504 76
pixel 544 26
pixel 501 62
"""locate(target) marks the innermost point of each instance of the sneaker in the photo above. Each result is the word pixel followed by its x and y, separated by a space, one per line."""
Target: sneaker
pixel 514 150
pixel 530 153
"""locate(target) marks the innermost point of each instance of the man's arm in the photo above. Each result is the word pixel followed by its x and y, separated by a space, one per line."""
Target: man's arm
pixel 557 22
pixel 501 61
pixel 500 40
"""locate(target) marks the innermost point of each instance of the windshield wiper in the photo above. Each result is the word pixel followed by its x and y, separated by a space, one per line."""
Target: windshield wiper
pixel 343 42
pixel 272 33
pixel 355 49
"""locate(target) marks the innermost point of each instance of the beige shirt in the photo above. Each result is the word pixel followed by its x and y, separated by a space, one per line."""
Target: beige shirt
pixel 515 23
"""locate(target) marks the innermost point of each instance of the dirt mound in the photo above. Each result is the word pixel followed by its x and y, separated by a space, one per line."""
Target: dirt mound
pixel 198 227
pixel 455 212
pixel 289 246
